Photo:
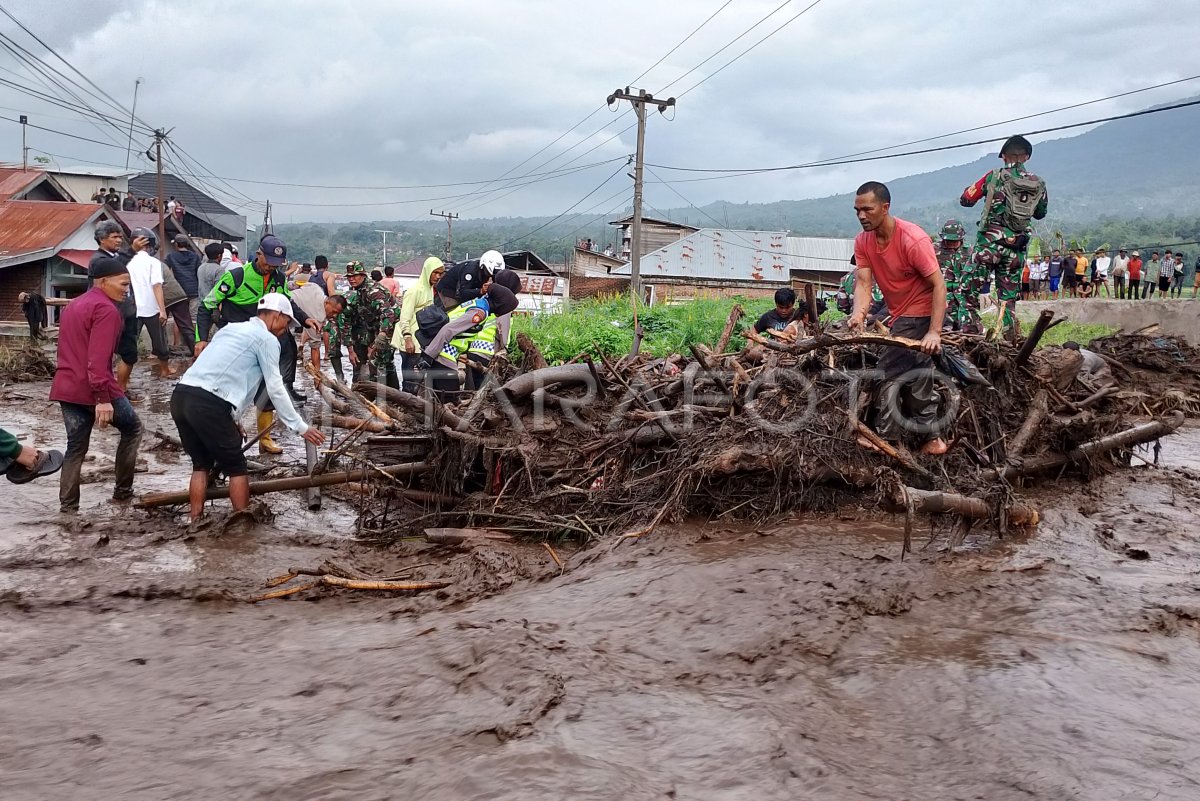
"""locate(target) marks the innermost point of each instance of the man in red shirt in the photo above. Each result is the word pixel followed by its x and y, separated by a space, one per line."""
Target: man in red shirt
pixel 899 256
pixel 84 384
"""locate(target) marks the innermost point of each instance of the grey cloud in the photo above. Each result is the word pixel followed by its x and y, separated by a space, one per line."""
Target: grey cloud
pixel 384 93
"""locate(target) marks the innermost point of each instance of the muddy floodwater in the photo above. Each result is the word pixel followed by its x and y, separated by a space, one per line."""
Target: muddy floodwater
pixel 709 661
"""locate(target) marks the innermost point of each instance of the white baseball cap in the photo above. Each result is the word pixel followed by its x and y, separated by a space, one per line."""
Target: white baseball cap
pixel 276 301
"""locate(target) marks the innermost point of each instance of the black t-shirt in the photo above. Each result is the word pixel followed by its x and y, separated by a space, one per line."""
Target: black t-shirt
pixel 464 281
pixel 774 321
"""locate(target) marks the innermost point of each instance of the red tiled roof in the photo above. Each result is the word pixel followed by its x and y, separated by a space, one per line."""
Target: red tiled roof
pixel 14 179
pixel 29 225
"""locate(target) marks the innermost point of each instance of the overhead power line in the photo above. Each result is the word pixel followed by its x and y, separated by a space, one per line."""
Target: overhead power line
pixel 886 156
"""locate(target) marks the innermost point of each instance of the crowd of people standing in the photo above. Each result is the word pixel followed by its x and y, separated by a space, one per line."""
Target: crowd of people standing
pixel 237 320
pixel 1125 276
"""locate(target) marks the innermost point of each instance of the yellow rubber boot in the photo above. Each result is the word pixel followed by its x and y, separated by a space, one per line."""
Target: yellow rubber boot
pixel 266 444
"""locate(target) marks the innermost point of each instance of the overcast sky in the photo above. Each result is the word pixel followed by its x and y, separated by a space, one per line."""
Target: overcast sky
pixel 388 93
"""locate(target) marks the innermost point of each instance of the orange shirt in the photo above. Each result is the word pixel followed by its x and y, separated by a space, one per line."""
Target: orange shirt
pixel 901 268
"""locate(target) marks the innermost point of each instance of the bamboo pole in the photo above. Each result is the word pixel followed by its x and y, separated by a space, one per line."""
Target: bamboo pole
pixel 283 484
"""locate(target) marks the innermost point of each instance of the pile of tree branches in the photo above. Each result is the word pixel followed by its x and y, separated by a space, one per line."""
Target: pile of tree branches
pixel 594 449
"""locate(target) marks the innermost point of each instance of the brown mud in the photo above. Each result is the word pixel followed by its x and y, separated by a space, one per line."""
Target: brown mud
pixel 708 662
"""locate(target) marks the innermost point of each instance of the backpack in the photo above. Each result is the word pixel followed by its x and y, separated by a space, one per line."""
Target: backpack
pixel 1022 193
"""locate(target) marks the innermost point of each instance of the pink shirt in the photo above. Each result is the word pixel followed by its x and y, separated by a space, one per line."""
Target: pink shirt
pixel 87 338
pixel 901 268
pixel 391 284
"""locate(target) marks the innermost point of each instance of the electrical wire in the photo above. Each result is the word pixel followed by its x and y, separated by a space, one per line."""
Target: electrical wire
pixel 847 160
pixel 564 213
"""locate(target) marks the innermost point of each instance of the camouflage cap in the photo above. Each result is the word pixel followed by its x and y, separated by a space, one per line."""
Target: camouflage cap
pixel 953 231
pixel 355 268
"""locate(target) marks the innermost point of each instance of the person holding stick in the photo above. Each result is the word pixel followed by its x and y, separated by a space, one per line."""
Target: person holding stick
pixel 221 384
pixel 899 256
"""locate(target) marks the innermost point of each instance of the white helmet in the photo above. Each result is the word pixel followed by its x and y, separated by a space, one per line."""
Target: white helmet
pixel 492 261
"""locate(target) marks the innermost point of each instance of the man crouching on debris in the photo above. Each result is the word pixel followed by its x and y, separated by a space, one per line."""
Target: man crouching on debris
pixel 217 389
pixel 899 256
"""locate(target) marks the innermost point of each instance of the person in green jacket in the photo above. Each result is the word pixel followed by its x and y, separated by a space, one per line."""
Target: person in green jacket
pixel 236 296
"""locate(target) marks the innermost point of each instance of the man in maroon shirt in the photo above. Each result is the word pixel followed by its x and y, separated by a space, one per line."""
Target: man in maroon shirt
pixel 84 384
pixel 899 257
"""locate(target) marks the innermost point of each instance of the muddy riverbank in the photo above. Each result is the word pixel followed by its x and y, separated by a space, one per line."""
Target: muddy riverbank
pixel 706 662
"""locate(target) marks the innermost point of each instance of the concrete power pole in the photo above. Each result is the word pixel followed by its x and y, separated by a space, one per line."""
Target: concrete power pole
pixel 450 218
pixel 385 233
pixel 639 102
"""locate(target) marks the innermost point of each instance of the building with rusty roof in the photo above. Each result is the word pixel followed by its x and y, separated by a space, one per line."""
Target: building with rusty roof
pixel 45 241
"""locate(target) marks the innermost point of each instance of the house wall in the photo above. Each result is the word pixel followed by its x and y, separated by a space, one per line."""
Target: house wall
pixel 82 187
pixel 668 292
pixel 15 280
pixel 584 287
pixel 586 262
pixel 654 236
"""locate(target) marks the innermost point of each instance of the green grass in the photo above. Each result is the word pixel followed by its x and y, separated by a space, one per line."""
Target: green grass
pixel 605 326
pixel 1083 333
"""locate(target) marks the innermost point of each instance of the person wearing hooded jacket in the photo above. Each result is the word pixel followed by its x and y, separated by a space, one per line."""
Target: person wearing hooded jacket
pixel 419 296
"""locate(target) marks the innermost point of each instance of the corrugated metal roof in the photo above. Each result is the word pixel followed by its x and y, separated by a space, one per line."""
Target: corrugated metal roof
pixel 35 224
pixel 13 180
pixel 820 253
pixel 719 254
pixel 628 220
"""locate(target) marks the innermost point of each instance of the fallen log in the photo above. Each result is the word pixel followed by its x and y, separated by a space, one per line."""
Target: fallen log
pixel 355 423
pixel 409 402
pixel 1037 413
pixel 1138 435
pixel 153 499
pixel 523 385
pixel 534 360
pixel 936 503
pixel 735 315
pixel 1035 336
pixel 804 346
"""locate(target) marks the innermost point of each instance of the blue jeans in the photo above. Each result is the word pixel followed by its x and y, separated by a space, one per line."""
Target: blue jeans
pixel 79 421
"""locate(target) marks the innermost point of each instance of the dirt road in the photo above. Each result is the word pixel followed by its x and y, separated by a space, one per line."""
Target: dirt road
pixel 706 662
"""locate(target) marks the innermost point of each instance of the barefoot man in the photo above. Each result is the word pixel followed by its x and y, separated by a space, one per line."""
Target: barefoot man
pixel 899 257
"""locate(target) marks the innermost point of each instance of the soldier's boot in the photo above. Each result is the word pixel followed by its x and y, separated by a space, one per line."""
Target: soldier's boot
pixel 266 444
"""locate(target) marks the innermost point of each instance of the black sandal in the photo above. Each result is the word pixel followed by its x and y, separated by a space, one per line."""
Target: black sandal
pixel 48 463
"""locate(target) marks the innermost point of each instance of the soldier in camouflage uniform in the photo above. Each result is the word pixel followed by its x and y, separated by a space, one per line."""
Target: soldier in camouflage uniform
pixel 366 324
pixel 964 279
pixel 1014 197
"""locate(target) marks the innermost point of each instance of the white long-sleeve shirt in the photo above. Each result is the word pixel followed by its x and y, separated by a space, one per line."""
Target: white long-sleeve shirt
pixel 239 358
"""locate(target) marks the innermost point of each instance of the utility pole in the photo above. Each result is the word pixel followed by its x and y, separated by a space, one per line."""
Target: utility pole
pixel 639 102
pixel 162 221
pixel 132 112
pixel 266 220
pixel 24 149
pixel 385 233
pixel 450 218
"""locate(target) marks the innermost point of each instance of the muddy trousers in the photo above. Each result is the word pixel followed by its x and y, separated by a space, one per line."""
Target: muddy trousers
pixel 906 402
pixel 79 421
pixel 158 336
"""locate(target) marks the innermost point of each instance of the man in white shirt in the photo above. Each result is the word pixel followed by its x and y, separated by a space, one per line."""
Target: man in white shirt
pixel 1120 269
pixel 1100 267
pixel 220 386
pixel 146 283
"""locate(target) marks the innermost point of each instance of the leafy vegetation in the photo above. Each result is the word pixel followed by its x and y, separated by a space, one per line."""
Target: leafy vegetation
pixel 605 326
